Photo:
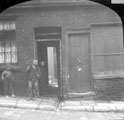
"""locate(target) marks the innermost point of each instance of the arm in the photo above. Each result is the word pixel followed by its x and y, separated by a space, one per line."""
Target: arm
pixel 38 72
pixel 28 68
pixel 12 77
pixel 3 75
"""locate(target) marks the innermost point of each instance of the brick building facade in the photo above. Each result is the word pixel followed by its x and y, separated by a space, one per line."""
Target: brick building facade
pixel 86 40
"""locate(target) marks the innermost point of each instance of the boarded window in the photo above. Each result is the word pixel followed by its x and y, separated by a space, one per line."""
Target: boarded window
pixel 108 54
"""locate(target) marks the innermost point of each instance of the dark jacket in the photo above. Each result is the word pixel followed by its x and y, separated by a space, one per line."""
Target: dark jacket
pixel 33 72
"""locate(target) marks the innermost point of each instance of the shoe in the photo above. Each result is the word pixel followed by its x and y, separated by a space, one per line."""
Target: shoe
pixel 13 95
pixel 6 96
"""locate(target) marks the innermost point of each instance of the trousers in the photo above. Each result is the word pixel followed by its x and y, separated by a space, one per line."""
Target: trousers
pixel 33 89
pixel 8 87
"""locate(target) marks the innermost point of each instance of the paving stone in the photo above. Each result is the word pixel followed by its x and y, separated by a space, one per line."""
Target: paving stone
pixel 53 104
pixel 49 105
pixel 71 103
pixel 87 103
pixel 78 108
pixel 104 108
pixel 8 102
pixel 46 107
pixel 119 108
pixel 21 103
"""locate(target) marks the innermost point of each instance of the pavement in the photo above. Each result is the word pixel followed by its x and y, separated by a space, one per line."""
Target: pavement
pixel 92 106
pixel 31 114
pixel 43 103
pixel 52 104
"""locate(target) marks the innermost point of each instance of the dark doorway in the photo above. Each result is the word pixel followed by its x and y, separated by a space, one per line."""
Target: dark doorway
pixel 48 53
pixel 48 60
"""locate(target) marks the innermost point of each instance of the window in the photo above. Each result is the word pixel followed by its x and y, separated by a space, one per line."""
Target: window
pixel 8 47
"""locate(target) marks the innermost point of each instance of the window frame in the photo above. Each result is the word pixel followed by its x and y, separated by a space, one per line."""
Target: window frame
pixel 9 41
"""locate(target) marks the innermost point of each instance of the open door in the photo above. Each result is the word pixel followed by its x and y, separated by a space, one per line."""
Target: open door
pixel 48 60
pixel 48 54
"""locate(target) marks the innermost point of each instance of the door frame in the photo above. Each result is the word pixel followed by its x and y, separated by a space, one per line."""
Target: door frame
pixel 79 31
pixel 36 56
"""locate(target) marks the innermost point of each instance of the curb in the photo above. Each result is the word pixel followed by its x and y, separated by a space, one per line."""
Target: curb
pixel 23 104
pixel 95 107
pixel 89 106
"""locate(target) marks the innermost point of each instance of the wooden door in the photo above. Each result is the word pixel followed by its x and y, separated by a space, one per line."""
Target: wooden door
pixel 79 63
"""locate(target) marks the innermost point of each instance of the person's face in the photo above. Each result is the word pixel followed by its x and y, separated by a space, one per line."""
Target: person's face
pixel 42 63
pixel 35 62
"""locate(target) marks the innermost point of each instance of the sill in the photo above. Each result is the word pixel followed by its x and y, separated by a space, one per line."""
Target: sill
pixel 108 76
pixel 14 67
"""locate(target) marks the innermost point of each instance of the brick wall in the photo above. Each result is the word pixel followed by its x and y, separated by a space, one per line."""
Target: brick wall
pixel 109 89
pixel 67 18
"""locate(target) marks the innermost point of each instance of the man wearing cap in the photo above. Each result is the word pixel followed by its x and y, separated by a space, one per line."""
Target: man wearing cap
pixel 34 74
pixel 7 78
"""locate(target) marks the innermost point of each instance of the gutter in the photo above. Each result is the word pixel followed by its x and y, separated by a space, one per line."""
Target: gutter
pixel 51 4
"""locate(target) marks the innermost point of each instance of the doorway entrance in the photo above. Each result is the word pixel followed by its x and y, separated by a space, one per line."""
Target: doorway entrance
pixel 48 60
pixel 48 54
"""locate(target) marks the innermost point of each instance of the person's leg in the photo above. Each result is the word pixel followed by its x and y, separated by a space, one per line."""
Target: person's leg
pixel 30 89
pixel 5 87
pixel 11 88
pixel 36 89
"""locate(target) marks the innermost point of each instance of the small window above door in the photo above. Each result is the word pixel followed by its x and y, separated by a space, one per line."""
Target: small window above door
pixel 47 33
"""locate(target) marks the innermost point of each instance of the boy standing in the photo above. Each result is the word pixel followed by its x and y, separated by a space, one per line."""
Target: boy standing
pixel 7 78
pixel 33 73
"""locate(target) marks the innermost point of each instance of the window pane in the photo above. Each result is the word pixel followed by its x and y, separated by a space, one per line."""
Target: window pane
pixel 14 57
pixel 1 36
pixel 8 57
pixel 13 47
pixel 1 47
pixel 7 48
pixel 1 57
pixel 1 26
pixel 6 26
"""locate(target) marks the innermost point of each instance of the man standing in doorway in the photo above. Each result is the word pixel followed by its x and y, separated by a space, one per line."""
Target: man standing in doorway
pixel 8 80
pixel 34 74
